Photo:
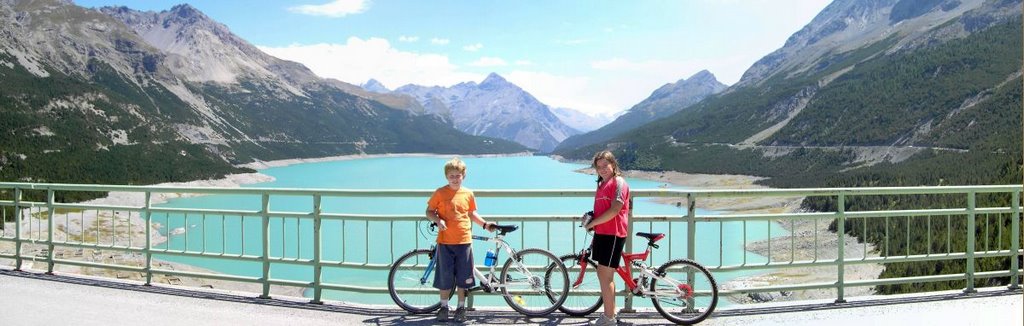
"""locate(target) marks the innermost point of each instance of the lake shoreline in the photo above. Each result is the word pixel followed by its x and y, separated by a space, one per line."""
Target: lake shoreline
pixel 689 181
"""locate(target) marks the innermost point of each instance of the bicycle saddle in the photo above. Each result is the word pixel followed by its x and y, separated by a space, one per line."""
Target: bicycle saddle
pixel 652 237
pixel 505 228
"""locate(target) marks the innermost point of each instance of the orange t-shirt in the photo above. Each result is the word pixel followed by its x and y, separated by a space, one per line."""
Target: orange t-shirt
pixel 455 208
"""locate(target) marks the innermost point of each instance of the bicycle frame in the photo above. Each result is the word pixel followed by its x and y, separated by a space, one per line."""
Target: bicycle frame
pixel 491 283
pixel 625 272
pixel 499 243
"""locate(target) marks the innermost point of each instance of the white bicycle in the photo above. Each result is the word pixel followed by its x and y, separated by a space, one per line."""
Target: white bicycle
pixel 532 281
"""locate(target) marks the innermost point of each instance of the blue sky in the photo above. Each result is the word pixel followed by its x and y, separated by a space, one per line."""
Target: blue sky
pixel 593 56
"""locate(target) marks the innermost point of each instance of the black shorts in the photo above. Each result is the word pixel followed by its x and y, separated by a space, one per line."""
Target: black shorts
pixel 607 250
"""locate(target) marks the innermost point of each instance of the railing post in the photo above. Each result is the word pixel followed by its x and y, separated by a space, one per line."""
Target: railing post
pixel 970 241
pixel 317 289
pixel 148 213
pixel 691 240
pixel 628 306
pixel 265 217
pixel 49 231
pixel 1015 241
pixel 17 229
pixel 841 258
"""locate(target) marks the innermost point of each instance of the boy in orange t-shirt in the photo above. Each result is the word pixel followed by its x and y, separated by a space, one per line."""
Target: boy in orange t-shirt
pixel 453 208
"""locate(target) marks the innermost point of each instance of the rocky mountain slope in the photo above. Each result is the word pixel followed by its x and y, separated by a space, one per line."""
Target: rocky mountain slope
pixel 664 101
pixel 139 97
pixel 494 108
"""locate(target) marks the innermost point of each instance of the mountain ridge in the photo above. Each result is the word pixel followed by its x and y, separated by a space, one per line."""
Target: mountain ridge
pixel 495 108
pixel 663 101
pixel 84 90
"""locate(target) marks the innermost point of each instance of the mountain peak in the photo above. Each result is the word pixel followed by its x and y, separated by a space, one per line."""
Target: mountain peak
pixel 704 76
pixel 185 10
pixel 493 79
pixel 375 86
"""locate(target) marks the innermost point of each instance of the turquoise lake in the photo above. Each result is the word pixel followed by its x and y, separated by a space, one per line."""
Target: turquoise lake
pixel 348 241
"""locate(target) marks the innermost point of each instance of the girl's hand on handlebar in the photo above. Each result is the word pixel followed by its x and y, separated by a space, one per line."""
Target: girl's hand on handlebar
pixel 441 225
pixel 586 219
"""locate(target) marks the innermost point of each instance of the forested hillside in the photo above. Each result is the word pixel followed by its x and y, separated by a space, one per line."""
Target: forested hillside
pixel 951 105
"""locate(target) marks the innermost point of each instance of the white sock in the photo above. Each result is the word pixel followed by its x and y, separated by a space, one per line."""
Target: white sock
pixel 462 303
pixel 444 303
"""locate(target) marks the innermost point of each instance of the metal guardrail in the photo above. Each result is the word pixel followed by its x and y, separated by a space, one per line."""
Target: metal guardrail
pixel 103 227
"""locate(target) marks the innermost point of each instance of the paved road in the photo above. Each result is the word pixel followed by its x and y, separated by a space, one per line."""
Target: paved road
pixel 30 298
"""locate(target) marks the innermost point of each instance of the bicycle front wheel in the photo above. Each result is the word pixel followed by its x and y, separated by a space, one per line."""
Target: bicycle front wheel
pixel 686 294
pixel 534 282
pixel 411 282
pixel 582 285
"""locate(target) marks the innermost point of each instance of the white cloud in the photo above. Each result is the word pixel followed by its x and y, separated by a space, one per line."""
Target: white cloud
pixel 553 90
pixel 404 38
pixel 336 8
pixel 439 41
pixel 488 62
pixel 473 47
pixel 524 63
pixel 611 86
pixel 727 69
pixel 358 60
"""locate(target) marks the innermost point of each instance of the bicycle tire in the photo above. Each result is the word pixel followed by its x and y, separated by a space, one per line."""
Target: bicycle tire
pixel 694 309
pixel 580 305
pixel 525 288
pixel 406 287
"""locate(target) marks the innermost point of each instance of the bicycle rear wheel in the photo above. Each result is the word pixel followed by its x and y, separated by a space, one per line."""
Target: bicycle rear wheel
pixel 584 271
pixel 535 282
pixel 411 282
pixel 687 294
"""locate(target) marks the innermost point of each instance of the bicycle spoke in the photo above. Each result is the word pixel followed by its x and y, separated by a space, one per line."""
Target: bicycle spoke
pixel 687 293
pixel 407 285
pixel 584 290
pixel 535 284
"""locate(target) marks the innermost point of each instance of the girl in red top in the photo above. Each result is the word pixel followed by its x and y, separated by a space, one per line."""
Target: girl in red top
pixel 611 217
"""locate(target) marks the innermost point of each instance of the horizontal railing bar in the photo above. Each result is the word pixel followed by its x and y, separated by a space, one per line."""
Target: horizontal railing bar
pixel 774 265
pixel 928 278
pixel 86 245
pixel 207 255
pixel 99 265
pixel 231 212
pixel 809 286
pixel 289 283
pixel 96 207
pixel 338 264
pixel 292 261
pixel 222 277
pixel 790 192
pixel 360 289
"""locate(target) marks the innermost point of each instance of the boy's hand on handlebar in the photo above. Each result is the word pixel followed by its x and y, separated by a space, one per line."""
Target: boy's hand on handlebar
pixel 441 225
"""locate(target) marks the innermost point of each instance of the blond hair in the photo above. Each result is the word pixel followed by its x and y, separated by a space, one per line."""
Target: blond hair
pixel 455 164
pixel 607 156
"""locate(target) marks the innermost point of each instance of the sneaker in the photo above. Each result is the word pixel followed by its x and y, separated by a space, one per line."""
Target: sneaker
pixel 605 321
pixel 460 315
pixel 442 314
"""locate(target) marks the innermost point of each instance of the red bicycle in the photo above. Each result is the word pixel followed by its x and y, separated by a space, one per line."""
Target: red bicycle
pixel 682 290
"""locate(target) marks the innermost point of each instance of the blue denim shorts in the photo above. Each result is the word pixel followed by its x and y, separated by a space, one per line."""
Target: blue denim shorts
pixel 454 266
